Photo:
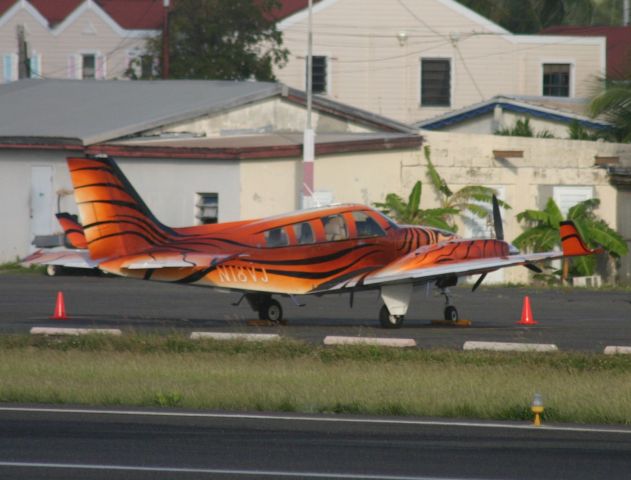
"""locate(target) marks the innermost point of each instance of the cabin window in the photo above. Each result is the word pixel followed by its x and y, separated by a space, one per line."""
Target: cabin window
pixel 556 80
pixel 207 207
pixel 334 228
pixel 366 225
pixel 304 233
pixel 276 237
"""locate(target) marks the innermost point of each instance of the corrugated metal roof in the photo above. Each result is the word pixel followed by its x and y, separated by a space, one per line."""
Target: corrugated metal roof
pixel 94 111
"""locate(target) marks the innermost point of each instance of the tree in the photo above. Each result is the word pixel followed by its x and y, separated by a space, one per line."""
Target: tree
pixel 542 232
pixel 467 199
pixel 522 128
pixel 613 102
pixel 410 212
pixel 531 16
pixel 221 40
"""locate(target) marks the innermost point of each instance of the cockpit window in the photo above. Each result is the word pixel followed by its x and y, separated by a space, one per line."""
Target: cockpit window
pixel 366 225
pixel 277 237
pixel 334 228
pixel 304 233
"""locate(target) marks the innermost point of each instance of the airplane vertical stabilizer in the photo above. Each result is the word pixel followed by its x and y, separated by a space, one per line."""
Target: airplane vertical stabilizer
pixel 115 219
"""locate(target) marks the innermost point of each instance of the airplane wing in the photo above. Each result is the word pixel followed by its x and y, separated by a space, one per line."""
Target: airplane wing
pixel 61 257
pixel 459 257
pixel 159 259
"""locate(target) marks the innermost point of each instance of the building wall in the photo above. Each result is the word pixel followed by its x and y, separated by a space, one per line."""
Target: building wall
pixel 464 159
pixel 88 33
pixel 168 187
pixel 266 116
pixel 370 68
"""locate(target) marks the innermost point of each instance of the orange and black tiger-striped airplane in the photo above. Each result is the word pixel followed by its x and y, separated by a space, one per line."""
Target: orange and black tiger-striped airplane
pixel 333 249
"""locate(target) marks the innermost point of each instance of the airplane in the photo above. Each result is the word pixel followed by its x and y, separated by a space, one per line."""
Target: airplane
pixel 325 250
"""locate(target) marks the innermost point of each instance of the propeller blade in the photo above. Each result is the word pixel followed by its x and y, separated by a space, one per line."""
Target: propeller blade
pixel 497 220
pixel 478 282
pixel 533 267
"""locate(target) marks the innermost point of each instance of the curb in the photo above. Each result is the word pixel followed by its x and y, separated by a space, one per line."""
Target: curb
pixel 612 350
pixel 74 331
pixel 384 342
pixel 510 347
pixel 250 337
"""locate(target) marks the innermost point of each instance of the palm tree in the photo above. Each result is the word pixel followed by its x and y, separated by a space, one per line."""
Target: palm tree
pixel 542 233
pixel 410 212
pixel 613 102
pixel 469 199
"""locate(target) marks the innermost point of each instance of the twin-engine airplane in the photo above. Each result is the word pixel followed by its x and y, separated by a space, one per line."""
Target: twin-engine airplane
pixel 334 249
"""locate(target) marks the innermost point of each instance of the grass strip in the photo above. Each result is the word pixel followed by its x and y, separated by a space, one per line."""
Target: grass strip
pixel 291 376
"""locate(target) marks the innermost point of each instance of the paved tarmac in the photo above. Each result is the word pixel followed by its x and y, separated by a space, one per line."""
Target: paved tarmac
pixel 574 319
pixel 145 444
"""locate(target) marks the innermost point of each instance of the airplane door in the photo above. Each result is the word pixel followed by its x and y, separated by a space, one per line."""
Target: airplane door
pixel 42 200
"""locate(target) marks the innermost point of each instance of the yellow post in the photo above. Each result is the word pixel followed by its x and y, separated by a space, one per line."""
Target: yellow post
pixel 537 409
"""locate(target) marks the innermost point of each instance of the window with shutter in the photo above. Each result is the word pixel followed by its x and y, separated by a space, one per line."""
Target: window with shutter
pixel 435 82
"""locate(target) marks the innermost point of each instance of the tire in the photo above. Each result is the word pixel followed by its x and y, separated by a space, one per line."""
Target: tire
pixel 272 311
pixel 451 314
pixel 390 321
pixel 52 270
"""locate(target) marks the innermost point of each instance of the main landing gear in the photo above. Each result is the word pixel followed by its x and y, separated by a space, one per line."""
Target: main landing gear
pixel 266 307
pixel 387 320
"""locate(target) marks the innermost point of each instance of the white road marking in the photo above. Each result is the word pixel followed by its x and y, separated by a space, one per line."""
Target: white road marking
pixel 294 418
pixel 213 471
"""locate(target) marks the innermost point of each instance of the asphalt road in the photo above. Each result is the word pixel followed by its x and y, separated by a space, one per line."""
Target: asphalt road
pixel 141 445
pixel 574 319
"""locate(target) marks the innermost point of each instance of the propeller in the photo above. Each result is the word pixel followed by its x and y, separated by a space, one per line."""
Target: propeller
pixel 499 235
pixel 497 219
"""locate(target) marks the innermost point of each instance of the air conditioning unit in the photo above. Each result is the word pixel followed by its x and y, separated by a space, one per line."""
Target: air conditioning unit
pixel 590 281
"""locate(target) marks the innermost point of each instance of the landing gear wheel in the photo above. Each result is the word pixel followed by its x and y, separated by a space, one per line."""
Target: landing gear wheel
pixel 271 310
pixel 451 314
pixel 390 321
pixel 52 270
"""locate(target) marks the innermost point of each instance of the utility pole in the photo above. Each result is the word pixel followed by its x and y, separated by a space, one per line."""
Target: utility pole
pixel 308 144
pixel 165 39
pixel 24 66
pixel 625 13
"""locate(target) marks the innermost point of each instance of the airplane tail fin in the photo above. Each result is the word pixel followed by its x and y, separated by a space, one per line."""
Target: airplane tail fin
pixel 572 243
pixel 72 230
pixel 116 221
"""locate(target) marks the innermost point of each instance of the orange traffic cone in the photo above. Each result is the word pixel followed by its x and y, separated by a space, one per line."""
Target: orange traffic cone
pixel 60 308
pixel 526 313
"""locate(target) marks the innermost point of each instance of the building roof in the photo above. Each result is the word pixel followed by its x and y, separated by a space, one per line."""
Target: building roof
pixel 128 14
pixel 86 112
pixel 241 147
pixel 618 45
pixel 556 110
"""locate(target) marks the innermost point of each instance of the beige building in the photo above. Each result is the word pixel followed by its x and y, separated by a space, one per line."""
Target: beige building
pixel 416 59
pixel 79 39
pixel 525 171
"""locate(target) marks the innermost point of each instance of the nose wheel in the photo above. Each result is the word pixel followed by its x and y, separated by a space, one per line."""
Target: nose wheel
pixel 450 313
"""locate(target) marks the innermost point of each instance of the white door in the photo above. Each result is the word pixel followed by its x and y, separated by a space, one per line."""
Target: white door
pixel 42 200
pixel 477 227
pixel 567 197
